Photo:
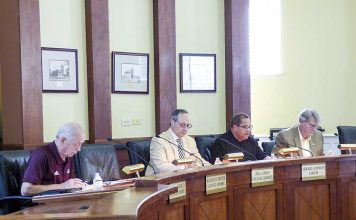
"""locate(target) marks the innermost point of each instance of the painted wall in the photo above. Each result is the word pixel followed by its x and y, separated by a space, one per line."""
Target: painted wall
pixel 200 29
pixel 62 25
pixel 318 50
pixel 131 30
pixel 318 53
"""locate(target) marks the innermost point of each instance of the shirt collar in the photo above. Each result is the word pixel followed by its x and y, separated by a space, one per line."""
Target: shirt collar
pixel 175 137
pixel 301 137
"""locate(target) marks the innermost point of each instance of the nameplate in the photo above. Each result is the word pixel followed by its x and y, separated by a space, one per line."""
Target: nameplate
pixel 313 171
pixel 262 177
pixel 180 194
pixel 215 183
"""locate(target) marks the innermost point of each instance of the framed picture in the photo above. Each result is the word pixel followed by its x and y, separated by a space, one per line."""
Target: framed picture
pixel 59 70
pixel 197 72
pixel 130 72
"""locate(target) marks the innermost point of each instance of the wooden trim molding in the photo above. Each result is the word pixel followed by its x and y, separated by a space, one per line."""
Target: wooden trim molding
pixel 98 67
pixel 164 62
pixel 21 79
pixel 237 80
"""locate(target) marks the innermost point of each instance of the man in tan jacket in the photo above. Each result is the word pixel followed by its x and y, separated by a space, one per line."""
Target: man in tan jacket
pixel 164 151
pixel 305 135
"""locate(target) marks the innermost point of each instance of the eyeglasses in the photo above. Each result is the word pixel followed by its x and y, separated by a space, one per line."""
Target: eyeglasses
pixel 183 125
pixel 245 126
pixel 312 125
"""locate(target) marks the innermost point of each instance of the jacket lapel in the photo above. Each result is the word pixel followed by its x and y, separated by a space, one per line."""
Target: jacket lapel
pixel 173 148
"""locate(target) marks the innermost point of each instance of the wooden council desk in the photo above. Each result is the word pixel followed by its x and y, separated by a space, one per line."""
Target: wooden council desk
pixel 287 197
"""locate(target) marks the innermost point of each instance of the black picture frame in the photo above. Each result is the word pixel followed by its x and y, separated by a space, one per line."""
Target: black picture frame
pixel 197 73
pixel 130 73
pixel 59 70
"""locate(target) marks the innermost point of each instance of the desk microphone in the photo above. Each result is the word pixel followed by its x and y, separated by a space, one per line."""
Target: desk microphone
pixel 131 151
pixel 319 128
pixel 237 147
pixel 296 147
pixel 191 154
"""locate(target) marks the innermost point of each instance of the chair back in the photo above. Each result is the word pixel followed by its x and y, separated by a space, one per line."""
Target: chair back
pixel 12 168
pixel 347 135
pixel 273 132
pixel 97 158
pixel 268 146
pixel 142 149
pixel 204 145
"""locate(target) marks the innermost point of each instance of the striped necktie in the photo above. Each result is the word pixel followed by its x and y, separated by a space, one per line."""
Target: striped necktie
pixel 180 151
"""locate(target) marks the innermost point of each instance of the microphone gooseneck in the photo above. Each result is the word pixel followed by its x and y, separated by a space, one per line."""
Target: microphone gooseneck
pixel 191 154
pixel 131 151
pixel 237 147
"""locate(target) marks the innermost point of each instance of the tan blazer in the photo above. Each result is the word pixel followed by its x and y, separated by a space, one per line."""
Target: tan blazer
pixel 162 153
pixel 291 136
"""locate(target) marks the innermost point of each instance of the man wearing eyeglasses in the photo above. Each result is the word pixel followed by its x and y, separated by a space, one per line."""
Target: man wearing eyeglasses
pixel 304 135
pixel 238 139
pixel 166 148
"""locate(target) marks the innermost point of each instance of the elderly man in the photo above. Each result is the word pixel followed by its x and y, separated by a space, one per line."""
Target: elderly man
pixel 164 151
pixel 305 135
pixel 51 167
pixel 238 139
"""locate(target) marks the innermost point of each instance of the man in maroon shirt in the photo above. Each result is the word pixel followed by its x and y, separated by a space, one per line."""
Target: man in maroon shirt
pixel 51 167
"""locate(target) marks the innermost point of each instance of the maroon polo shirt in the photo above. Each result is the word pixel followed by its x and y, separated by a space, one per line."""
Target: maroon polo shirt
pixel 47 167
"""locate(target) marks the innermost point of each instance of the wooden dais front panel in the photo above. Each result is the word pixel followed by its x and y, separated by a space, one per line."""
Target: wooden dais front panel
pixel 258 203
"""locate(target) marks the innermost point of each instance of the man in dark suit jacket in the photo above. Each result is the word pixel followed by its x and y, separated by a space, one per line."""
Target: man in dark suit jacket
pixel 303 135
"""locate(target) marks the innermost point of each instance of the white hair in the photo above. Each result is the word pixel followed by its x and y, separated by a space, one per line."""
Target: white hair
pixel 70 131
pixel 307 114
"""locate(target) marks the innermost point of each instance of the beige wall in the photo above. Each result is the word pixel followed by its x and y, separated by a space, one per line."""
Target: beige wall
pixel 131 30
pixel 62 24
pixel 318 50
pixel 200 29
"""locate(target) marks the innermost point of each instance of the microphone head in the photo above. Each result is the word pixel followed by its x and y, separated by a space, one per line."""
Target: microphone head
pixel 320 128
pixel 109 138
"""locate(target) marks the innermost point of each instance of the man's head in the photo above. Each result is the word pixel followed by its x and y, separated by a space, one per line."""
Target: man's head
pixel 69 139
pixel 309 120
pixel 180 122
pixel 240 126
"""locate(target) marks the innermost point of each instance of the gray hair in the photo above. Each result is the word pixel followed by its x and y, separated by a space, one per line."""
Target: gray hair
pixel 175 113
pixel 70 131
pixel 237 119
pixel 307 114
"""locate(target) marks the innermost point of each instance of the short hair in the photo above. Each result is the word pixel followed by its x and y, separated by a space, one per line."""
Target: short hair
pixel 175 113
pixel 237 119
pixel 307 114
pixel 70 131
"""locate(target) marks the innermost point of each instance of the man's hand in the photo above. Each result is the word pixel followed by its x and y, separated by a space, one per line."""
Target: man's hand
pixel 73 183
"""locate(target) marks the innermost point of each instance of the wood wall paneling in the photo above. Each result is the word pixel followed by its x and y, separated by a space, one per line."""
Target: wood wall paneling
pixel 311 200
pixel 21 83
pixel 237 80
pixel 260 202
pixel 164 62
pixel 352 202
pixel 175 211
pixel 98 67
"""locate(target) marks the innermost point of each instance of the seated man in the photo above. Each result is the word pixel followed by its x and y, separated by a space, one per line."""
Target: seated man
pixel 238 139
pixel 304 135
pixel 51 167
pixel 164 151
